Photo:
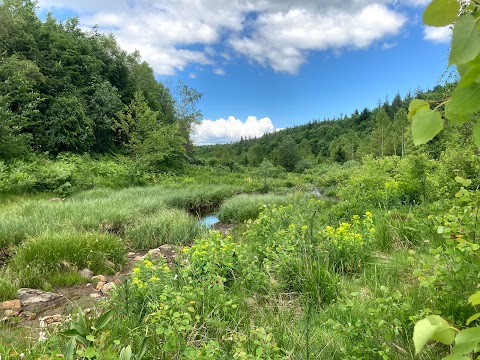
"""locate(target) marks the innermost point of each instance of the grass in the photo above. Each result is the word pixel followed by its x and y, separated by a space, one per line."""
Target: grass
pixel 41 260
pixel 244 207
pixel 167 226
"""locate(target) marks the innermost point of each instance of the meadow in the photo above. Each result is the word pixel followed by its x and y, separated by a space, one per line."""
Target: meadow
pixel 301 275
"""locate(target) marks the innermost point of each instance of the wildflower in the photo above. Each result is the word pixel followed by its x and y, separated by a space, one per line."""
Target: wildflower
pixel 136 270
pixel 148 263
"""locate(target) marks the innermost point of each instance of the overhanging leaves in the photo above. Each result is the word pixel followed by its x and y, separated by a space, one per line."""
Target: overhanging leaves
pixel 426 124
pixel 441 12
pixel 465 40
pixel 433 327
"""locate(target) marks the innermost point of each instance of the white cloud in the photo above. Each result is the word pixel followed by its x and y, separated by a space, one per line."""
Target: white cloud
pixel 437 34
pixel 283 39
pixel 276 33
pixel 219 71
pixel 228 130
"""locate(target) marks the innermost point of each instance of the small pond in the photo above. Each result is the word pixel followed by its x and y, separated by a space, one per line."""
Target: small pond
pixel 209 220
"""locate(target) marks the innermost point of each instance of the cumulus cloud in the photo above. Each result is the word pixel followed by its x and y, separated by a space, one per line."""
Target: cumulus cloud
pixel 219 71
pixel 172 34
pixel 437 34
pixel 222 131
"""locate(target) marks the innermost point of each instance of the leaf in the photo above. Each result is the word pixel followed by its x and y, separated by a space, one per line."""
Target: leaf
pixel 81 323
pixel 90 338
pixel 456 357
pixel 70 332
pixel 466 340
pixel 417 105
pixel 143 350
pixel 476 133
pixel 465 100
pixel 103 320
pixel 90 353
pixel 469 77
pixel 426 124
pixel 475 298
pixel 432 327
pixel 126 353
pixel 473 318
pixel 465 41
pixel 441 12
pixel 70 349
pixel 456 118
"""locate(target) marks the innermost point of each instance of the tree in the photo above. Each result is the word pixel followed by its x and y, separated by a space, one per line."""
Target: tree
pixel 398 130
pixel 286 154
pixel 380 131
pixel 159 145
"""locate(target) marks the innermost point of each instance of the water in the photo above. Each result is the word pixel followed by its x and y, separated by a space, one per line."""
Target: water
pixel 209 220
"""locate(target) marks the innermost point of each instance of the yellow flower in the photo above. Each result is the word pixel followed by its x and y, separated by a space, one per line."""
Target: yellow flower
pixel 136 270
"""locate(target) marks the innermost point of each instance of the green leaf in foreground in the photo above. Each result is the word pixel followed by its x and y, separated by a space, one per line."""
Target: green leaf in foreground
pixel 465 100
pixel 417 105
pixel 456 357
pixel 426 124
pixel 465 40
pixel 433 327
pixel 466 340
pixel 475 298
pixel 441 12
pixel 461 118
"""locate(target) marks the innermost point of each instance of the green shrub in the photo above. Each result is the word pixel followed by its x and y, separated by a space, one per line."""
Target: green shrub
pixel 198 198
pixel 244 207
pixel 40 259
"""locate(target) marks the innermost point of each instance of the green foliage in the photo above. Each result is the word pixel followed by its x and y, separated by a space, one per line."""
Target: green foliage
pixel 244 207
pixel 348 246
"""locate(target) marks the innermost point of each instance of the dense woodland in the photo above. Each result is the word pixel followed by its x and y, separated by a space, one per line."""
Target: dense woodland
pixel 66 90
pixel 348 238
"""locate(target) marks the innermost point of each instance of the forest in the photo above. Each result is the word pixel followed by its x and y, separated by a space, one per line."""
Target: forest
pixel 347 238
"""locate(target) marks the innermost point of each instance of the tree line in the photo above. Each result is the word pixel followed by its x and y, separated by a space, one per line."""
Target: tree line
pixel 380 132
pixel 66 90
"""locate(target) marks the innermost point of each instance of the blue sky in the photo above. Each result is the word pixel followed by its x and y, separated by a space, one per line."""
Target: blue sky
pixel 268 64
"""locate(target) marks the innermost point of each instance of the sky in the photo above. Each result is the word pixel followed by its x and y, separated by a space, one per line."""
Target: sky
pixel 264 65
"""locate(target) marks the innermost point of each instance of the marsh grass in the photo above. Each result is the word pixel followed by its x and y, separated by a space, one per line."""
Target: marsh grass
pixel 168 226
pixel 39 261
pixel 8 288
pixel 244 207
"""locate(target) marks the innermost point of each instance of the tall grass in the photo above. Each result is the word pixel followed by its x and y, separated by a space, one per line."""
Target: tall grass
pixel 168 226
pixel 38 260
pixel 244 207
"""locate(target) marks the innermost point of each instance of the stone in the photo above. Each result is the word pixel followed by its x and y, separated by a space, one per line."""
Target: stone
pixel 11 312
pixel 86 273
pixel 52 319
pixel 11 305
pixel 118 282
pixel 101 278
pixel 35 297
pixel 29 315
pixel 138 258
pixel 131 254
pixel 108 287
pixel 95 295
pixel 100 285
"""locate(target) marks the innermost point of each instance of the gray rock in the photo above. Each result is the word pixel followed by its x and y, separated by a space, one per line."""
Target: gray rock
pixel 86 273
pixel 35 297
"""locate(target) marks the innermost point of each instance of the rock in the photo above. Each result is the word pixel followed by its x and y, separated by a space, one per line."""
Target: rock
pixel 15 305
pixel 131 254
pixel 118 282
pixel 51 320
pixel 108 287
pixel 38 298
pixel 165 251
pixel 86 273
pixel 29 315
pixel 137 258
pixel 11 312
pixel 101 278
pixel 95 295
pixel 100 285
